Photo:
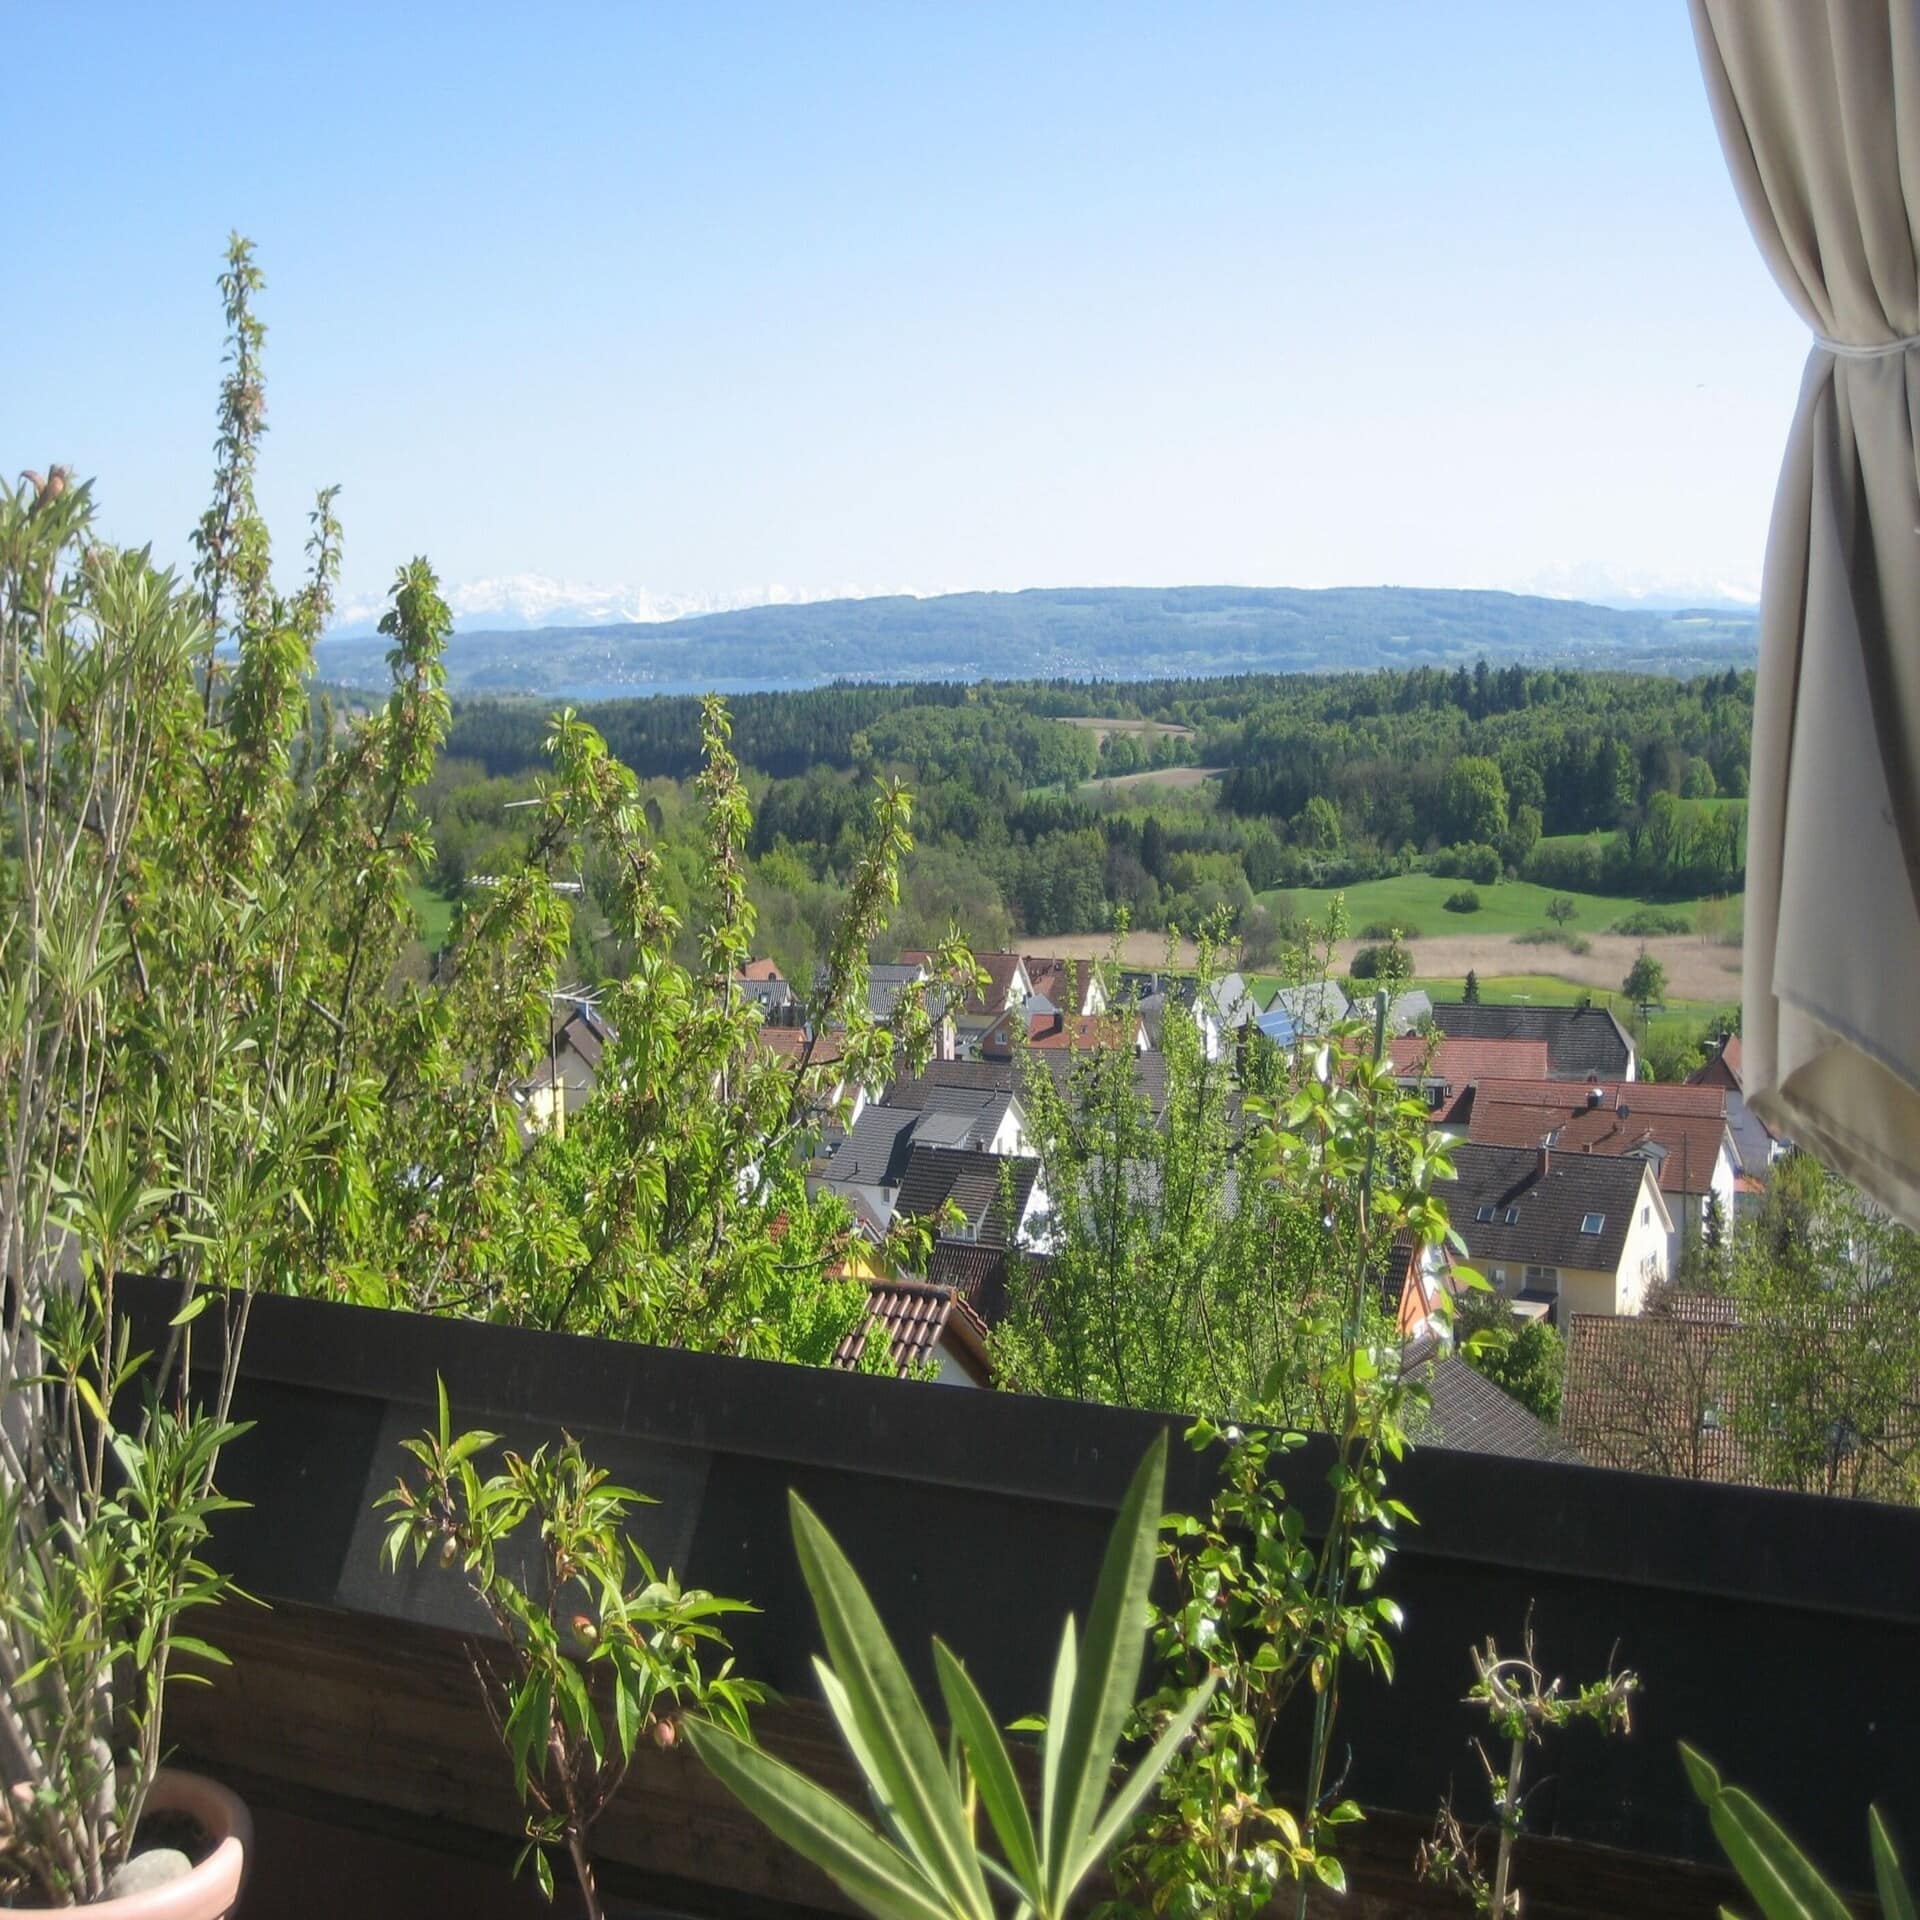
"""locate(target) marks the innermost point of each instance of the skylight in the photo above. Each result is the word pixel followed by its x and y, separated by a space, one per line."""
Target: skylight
pixel 1484 1214
pixel 1593 1222
pixel 1513 1216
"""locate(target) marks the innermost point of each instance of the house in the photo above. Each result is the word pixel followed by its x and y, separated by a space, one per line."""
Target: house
pixel 1074 986
pixel 1054 1031
pixel 1581 1041
pixel 1233 1002
pixel 761 982
pixel 1561 1233
pixel 983 1113
pixel 1303 1012
pixel 866 1167
pixel 562 1082
pixel 1443 1070
pixel 1674 1392
pixel 1653 1394
pixel 1007 988
pixel 999 1196
pixel 927 1326
pixel 1683 1131
pixel 1467 1412
pixel 1181 995
pixel 1410 1012
pixel 1753 1140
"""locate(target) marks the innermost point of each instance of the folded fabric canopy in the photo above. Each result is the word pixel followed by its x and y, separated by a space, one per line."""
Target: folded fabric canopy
pixel 1818 108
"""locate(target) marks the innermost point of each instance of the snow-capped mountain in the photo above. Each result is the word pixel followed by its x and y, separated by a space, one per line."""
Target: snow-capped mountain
pixel 523 601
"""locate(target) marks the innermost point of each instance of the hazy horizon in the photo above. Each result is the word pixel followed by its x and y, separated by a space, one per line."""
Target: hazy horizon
pixel 661 312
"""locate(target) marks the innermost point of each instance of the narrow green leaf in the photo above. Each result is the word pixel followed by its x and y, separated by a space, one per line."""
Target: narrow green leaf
pixel 1066 1668
pixel 1118 1816
pixel 873 1875
pixel 903 1756
pixel 1771 1868
pixel 1896 1897
pixel 1109 1667
pixel 992 1771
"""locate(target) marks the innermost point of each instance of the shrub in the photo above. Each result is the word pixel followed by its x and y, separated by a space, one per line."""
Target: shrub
pixel 1554 937
pixel 1644 921
pixel 1387 930
pixel 1468 861
pixel 1391 964
pixel 1462 900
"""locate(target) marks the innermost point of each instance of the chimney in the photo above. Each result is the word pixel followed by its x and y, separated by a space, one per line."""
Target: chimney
pixel 1595 1096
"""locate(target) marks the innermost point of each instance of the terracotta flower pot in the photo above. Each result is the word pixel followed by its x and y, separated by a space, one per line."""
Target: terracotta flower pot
pixel 211 1891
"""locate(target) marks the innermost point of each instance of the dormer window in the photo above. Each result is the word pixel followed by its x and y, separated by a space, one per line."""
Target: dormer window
pixel 1593 1222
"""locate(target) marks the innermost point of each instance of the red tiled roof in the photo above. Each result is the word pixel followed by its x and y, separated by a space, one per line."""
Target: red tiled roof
pixel 1083 1031
pixel 1723 1069
pixel 916 1316
pixel 1456 1061
pixel 790 1043
pixel 760 970
pixel 1642 1096
pixel 1000 969
pixel 1690 1143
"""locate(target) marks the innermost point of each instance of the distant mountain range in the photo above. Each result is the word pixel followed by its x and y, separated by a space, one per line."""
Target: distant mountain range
pixel 1128 633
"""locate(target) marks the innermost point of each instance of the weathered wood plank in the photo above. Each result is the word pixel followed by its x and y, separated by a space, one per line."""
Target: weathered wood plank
pixel 377 1723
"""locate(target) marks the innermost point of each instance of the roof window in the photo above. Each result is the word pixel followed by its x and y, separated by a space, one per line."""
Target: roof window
pixel 1483 1214
pixel 1513 1216
pixel 1592 1222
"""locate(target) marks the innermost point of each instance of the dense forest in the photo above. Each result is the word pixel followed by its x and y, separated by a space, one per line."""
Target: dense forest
pixel 1054 806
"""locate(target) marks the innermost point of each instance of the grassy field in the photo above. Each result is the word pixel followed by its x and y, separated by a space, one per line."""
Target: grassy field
pixel 1412 900
pixel 1175 777
pixel 1548 990
pixel 1100 727
pixel 436 916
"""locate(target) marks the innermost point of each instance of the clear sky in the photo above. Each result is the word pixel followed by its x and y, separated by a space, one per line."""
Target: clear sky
pixel 703 300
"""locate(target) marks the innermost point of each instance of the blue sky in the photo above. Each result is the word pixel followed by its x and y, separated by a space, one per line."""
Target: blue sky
pixel 708 301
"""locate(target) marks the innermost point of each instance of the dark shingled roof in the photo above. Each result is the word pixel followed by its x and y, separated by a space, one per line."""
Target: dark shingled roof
pixel 1580 1040
pixel 978 1274
pixel 916 1315
pixel 971 1180
pixel 1546 1230
pixel 1471 1415
pixel 875 1152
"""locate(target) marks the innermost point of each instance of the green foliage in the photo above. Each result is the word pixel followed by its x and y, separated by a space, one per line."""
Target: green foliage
pixel 601 1650
pixel 1470 990
pixel 1561 909
pixel 202 896
pixel 1828 1292
pixel 1646 981
pixel 1332 781
pixel 1526 1358
pixel 1645 922
pixel 1784 1882
pixel 925 1861
pixel 1522 1707
pixel 1473 801
pixel 1672 1052
pixel 1462 900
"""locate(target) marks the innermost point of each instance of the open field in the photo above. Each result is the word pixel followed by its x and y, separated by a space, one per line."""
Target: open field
pixel 1506 907
pixel 436 916
pixel 1696 969
pixel 1142 950
pixel 1101 726
pixel 1179 778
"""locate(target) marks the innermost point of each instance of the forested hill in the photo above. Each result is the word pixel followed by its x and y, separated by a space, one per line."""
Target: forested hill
pixel 1112 632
